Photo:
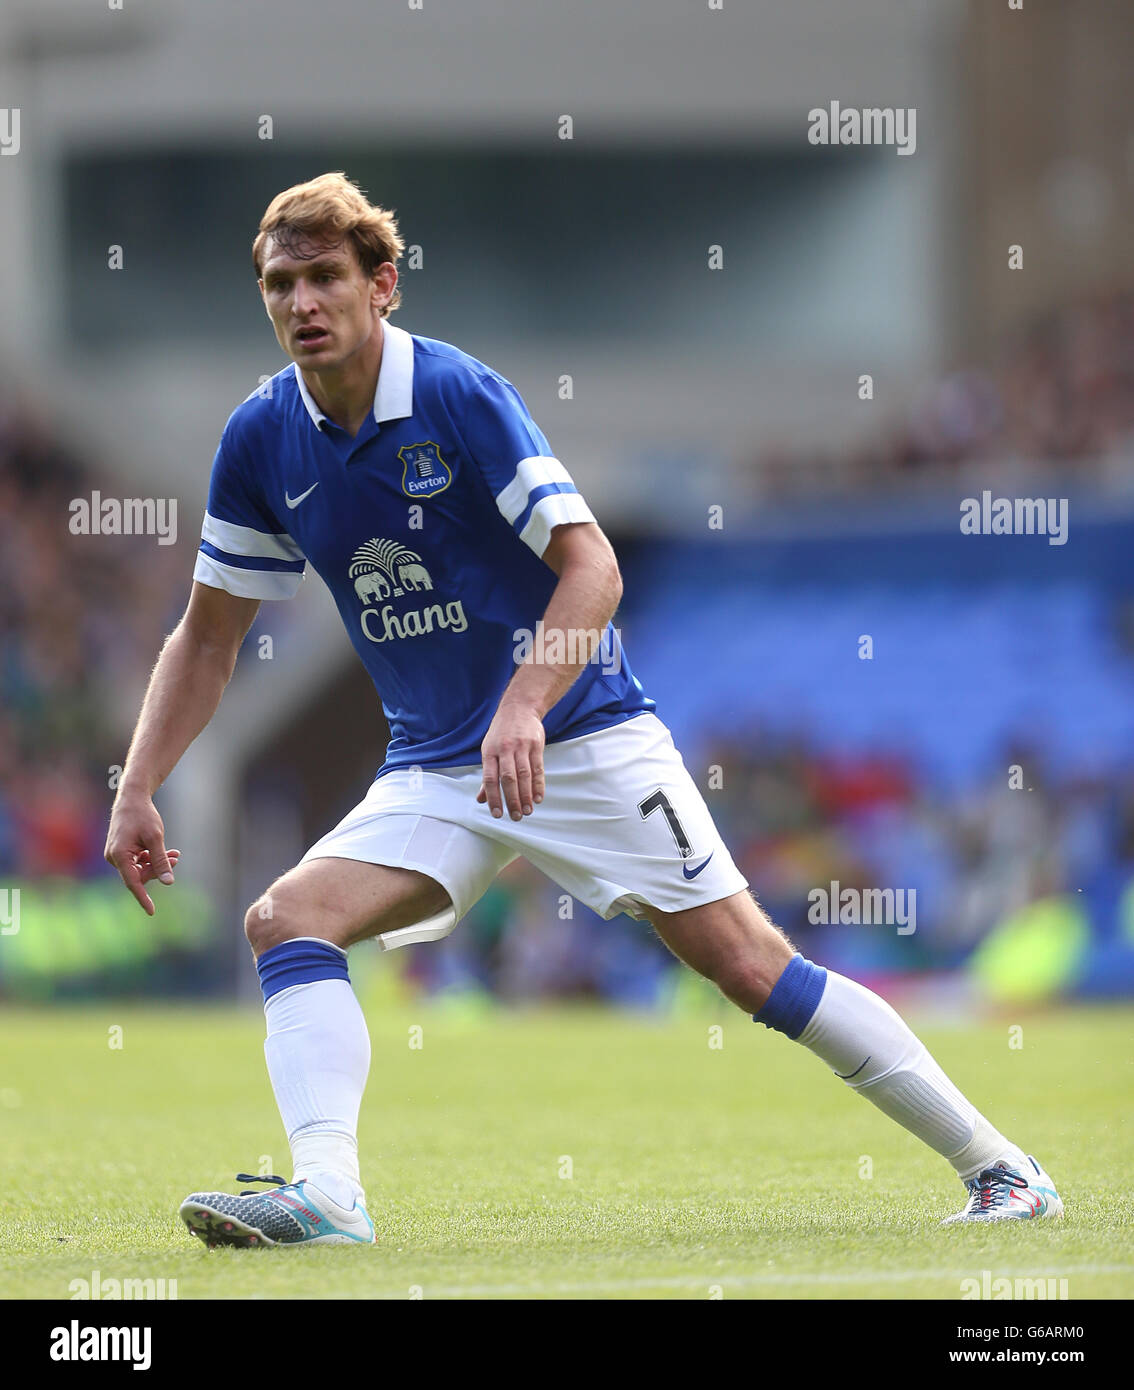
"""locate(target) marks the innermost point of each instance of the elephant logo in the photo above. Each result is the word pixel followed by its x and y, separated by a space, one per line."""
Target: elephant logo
pixel 424 471
pixel 414 576
pixel 381 568
pixel 374 585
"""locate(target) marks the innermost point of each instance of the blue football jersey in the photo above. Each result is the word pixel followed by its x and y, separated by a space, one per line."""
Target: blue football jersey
pixel 427 527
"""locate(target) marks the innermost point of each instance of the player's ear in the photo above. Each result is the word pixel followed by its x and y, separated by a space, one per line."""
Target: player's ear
pixel 383 284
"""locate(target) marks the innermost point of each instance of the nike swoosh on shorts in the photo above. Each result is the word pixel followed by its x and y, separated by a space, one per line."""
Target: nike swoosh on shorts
pixel 697 870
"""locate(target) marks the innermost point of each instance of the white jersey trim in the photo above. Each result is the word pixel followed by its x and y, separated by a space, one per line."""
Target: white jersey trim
pixel 245 540
pixel 530 473
pixel 393 392
pixel 550 512
pixel 242 583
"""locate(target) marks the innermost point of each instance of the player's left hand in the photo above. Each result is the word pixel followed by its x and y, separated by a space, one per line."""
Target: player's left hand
pixel 147 870
pixel 512 760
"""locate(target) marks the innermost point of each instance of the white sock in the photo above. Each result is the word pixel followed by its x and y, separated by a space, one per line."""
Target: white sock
pixel 318 1055
pixel 866 1044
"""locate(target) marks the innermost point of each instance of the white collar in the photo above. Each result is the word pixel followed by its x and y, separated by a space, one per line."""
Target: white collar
pixel 393 396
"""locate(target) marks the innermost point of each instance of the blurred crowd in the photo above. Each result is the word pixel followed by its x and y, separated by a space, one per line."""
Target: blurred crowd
pixel 82 618
pixel 799 819
pixel 1060 393
pixel 795 821
pixel 81 621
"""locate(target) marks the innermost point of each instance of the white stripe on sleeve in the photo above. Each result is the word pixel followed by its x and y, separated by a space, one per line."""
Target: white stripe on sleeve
pixel 530 473
pixel 551 511
pixel 245 540
pixel 270 584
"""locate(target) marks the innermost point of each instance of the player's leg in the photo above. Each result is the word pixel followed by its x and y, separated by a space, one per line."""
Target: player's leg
pixel 317 1047
pixel 624 827
pixel 865 1043
pixel 730 942
pixel 348 900
pixel 380 869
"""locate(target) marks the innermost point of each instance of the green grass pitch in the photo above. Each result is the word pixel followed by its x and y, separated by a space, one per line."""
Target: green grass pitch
pixel 555 1153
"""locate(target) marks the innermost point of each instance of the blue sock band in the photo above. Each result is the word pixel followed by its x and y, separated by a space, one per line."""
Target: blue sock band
pixel 795 997
pixel 300 962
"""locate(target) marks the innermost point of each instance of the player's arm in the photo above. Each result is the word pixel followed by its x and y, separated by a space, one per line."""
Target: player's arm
pixel 583 602
pixel 185 689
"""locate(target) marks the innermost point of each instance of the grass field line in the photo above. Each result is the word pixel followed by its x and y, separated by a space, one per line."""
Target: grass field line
pixel 858 1276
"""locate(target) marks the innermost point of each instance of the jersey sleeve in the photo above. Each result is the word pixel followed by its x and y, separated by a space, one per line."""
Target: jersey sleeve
pixel 533 490
pixel 243 550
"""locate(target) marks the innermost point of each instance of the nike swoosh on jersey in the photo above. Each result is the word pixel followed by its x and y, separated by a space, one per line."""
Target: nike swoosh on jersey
pixel 697 870
pixel 293 504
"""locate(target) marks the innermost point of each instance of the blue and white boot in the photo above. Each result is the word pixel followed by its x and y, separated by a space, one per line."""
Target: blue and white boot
pixel 297 1213
pixel 1005 1193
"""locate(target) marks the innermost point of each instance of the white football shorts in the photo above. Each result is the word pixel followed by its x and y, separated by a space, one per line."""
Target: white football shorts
pixel 621 826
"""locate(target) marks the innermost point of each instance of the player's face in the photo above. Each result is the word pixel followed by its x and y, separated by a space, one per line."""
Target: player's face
pixel 323 308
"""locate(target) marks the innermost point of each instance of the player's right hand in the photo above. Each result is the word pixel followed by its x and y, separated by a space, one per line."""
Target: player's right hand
pixel 135 845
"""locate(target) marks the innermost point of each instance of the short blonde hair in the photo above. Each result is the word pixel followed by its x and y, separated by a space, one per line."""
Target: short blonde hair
pixel 330 208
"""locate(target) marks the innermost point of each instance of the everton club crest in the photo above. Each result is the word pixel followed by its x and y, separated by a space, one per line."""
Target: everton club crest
pixel 424 471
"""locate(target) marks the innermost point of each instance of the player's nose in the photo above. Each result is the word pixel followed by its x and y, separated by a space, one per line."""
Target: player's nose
pixel 302 299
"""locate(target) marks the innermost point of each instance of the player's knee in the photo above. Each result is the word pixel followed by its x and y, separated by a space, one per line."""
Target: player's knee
pixel 748 978
pixel 268 922
pixel 742 985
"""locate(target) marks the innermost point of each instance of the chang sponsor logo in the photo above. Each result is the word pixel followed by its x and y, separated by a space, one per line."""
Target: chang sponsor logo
pixel 384 571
